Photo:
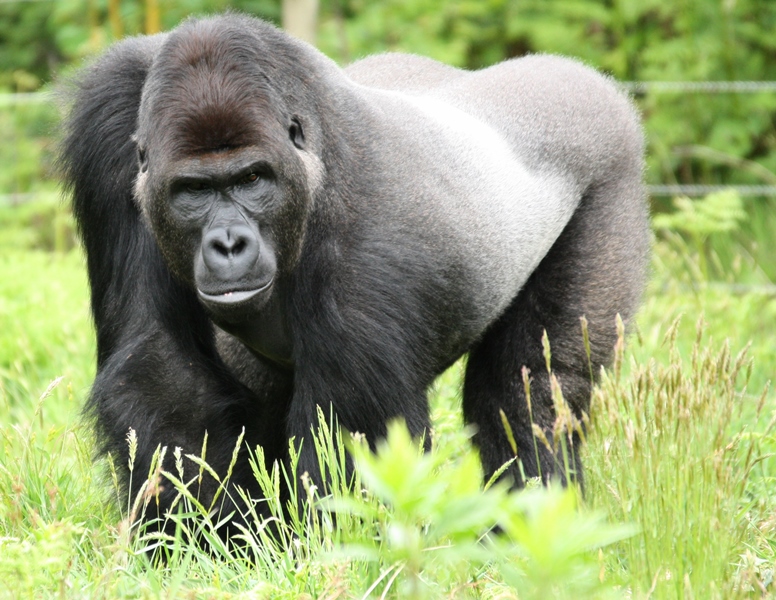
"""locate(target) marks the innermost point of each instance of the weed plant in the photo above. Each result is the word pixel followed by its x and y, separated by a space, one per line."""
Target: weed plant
pixel 670 452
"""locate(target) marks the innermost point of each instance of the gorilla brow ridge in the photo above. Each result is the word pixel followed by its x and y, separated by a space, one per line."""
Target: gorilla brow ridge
pixel 214 89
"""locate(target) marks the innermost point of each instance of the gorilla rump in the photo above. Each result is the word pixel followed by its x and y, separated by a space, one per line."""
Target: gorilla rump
pixel 267 234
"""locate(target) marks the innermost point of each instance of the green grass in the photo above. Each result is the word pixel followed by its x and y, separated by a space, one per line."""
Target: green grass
pixel 46 329
pixel 679 478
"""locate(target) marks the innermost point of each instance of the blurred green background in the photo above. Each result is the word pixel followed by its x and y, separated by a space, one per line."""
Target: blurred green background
pixel 709 536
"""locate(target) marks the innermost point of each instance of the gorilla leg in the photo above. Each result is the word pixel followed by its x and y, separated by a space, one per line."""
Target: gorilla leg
pixel 595 269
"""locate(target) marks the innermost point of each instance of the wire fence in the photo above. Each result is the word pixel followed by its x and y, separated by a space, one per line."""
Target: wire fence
pixel 21 98
pixel 697 190
pixel 636 88
pixel 698 87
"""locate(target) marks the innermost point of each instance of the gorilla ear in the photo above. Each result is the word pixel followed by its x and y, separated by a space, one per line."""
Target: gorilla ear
pixel 142 159
pixel 296 134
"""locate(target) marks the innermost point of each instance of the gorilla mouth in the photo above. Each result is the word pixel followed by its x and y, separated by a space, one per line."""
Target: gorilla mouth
pixel 233 297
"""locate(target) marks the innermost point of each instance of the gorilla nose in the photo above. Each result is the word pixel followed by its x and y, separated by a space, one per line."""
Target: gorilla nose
pixel 230 251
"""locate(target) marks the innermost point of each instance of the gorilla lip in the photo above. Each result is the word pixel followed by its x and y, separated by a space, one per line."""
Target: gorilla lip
pixel 234 297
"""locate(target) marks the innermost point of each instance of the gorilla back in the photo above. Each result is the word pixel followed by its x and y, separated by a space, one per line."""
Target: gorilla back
pixel 267 234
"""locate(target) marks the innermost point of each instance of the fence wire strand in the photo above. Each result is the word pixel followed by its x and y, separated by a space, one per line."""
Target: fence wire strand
pixel 698 87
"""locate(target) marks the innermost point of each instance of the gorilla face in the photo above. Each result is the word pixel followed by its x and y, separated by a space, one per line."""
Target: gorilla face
pixel 227 208
pixel 230 222
pixel 226 204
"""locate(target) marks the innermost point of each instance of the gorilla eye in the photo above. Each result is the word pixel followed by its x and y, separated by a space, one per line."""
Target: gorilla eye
pixel 250 178
pixel 196 186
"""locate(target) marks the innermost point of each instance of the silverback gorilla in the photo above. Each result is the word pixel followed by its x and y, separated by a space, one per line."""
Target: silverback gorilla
pixel 267 234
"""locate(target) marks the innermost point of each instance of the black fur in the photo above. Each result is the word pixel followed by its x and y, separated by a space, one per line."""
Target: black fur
pixel 363 291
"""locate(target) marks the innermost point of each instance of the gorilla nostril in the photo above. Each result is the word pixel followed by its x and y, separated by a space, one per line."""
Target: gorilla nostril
pixel 220 248
pixel 227 245
pixel 239 246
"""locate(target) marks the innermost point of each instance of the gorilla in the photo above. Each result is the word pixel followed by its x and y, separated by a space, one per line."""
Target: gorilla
pixel 268 236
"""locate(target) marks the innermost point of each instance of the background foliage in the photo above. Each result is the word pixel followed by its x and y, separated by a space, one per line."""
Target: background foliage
pixel 681 474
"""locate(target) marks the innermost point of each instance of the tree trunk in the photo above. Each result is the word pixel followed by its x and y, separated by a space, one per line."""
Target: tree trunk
pixel 114 17
pixel 300 19
pixel 153 20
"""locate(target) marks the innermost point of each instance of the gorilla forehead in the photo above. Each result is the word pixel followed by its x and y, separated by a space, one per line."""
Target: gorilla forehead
pixel 208 90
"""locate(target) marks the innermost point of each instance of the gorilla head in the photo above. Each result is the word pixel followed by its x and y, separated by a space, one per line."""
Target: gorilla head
pixel 225 179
